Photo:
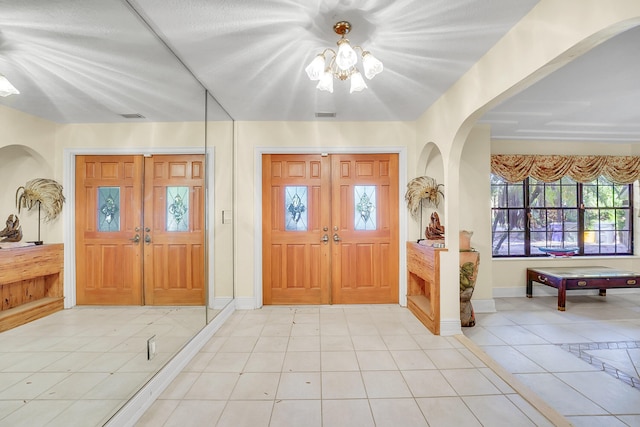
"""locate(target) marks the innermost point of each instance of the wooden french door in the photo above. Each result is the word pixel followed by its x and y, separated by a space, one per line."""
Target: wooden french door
pixel 330 228
pixel 140 230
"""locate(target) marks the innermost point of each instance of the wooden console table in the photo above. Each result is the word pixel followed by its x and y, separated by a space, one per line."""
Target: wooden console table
pixel 31 280
pixel 423 284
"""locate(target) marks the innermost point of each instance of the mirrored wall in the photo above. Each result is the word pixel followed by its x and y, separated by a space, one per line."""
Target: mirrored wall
pixel 99 82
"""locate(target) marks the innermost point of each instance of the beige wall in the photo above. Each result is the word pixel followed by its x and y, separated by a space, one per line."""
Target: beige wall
pixel 474 204
pixel 27 151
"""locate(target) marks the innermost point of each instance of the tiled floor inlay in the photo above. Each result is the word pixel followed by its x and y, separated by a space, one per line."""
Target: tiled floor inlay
pixel 613 359
pixel 571 359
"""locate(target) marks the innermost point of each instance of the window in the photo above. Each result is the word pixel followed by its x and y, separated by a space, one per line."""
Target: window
pixel 594 217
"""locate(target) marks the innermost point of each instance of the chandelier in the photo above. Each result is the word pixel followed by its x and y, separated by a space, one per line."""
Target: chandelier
pixel 343 63
pixel 6 88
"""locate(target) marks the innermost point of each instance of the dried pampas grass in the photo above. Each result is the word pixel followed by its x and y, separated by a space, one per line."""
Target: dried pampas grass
pixel 46 192
pixel 423 188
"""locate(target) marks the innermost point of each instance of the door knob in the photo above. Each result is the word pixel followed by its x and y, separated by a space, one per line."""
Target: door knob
pixel 147 238
pixel 325 239
pixel 336 238
pixel 136 238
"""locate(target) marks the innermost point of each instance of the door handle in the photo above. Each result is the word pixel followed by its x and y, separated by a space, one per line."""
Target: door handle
pixel 147 238
pixel 336 238
pixel 136 238
pixel 325 238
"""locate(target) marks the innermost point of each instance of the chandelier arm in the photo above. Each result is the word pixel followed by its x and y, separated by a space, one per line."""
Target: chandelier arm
pixel 332 63
pixel 329 50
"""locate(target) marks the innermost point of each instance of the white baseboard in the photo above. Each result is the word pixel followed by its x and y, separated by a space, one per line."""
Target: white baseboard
pixel 245 303
pixel 450 327
pixel 484 305
pixel 221 302
pixel 131 412
pixel 544 290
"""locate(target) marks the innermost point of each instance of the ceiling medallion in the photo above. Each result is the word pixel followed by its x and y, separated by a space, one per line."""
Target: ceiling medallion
pixel 342 64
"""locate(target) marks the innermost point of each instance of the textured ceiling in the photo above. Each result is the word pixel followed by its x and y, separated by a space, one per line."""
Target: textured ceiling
pixel 596 97
pixel 79 61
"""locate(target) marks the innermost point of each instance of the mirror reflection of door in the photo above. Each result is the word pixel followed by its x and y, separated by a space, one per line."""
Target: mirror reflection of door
pixel 330 228
pixel 140 230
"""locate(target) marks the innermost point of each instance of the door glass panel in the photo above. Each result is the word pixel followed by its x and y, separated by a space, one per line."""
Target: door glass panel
pixel 295 204
pixel 365 203
pixel 108 208
pixel 177 208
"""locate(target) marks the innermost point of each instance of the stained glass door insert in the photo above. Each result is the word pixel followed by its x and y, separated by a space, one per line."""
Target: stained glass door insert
pixel 108 209
pixel 365 203
pixel 177 208
pixel 296 208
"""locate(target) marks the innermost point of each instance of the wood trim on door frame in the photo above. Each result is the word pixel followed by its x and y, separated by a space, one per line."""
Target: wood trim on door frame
pixel 402 214
pixel 68 213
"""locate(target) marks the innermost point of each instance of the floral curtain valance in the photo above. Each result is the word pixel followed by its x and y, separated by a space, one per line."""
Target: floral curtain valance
pixel 517 167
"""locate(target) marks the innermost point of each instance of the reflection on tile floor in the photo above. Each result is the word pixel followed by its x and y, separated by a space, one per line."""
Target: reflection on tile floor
pixel 337 366
pixel 76 367
pixel 557 354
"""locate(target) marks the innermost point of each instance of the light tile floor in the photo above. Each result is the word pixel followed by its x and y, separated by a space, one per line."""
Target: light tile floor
pixel 333 366
pixel 337 366
pixel 582 362
pixel 76 367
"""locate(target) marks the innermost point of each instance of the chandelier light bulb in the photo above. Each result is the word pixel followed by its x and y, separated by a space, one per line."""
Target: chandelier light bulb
pixel 372 66
pixel 326 82
pixel 357 82
pixel 346 56
pixel 315 69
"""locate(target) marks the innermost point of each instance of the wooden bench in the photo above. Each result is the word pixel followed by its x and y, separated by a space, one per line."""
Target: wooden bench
pixel 568 278
pixel 31 280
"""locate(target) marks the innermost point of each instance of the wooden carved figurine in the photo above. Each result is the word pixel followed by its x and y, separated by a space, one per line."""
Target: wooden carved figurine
pixel 13 231
pixel 434 231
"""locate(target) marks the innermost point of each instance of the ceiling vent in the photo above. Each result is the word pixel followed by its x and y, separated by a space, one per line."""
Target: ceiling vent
pixel 133 116
pixel 319 115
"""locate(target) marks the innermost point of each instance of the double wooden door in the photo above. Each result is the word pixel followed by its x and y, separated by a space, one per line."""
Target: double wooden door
pixel 330 228
pixel 140 230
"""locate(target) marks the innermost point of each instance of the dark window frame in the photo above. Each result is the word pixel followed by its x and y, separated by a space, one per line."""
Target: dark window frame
pixel 514 209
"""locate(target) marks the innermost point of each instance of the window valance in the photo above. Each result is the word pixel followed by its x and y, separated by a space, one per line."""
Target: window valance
pixel 517 167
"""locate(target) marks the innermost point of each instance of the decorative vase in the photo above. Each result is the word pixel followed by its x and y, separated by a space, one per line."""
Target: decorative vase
pixel 469 263
pixel 465 240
